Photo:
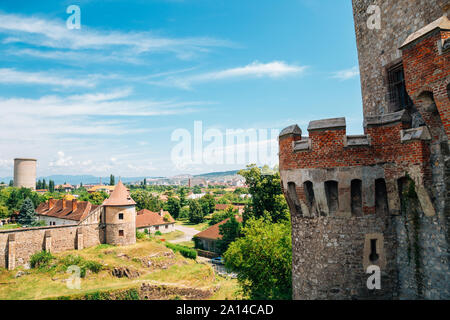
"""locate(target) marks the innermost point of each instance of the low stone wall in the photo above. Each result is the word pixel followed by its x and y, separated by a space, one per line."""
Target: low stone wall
pixel 18 245
pixel 207 254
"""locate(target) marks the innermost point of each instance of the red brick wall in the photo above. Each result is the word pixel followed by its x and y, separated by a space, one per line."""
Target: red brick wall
pixel 427 70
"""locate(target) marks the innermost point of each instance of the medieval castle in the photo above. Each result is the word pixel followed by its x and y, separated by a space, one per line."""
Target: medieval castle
pixel 380 198
pixel 72 225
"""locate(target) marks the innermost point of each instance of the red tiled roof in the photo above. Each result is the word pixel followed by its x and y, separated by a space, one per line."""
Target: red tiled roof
pixel 222 206
pixel 147 218
pixel 119 197
pixel 213 232
pixel 66 209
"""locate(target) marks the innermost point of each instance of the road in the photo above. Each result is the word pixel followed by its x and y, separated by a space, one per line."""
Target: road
pixel 188 233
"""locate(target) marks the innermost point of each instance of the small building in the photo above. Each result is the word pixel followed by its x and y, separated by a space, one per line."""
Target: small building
pixel 99 188
pixel 208 238
pixel 64 212
pixel 41 191
pixel 65 187
pixel 155 221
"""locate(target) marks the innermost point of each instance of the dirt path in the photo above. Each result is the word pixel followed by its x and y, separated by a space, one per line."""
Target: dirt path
pixel 188 233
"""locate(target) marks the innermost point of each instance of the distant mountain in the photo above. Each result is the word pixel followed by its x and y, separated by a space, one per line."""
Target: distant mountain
pixel 87 179
pixel 90 179
pixel 218 174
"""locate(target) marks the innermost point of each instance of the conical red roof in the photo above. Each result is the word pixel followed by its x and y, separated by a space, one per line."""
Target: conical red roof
pixel 119 197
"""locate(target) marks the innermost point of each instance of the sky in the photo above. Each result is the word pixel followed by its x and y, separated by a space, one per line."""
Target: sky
pixel 156 87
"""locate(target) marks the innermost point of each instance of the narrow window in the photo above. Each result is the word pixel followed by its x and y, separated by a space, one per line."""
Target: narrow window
pixel 120 233
pixel 373 257
pixel 381 201
pixel 331 192
pixel 120 216
pixel 448 91
pixel 356 194
pixel 310 198
pixel 295 203
pixel 398 96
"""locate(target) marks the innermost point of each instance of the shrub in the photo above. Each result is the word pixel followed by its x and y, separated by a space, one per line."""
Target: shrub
pixel 75 260
pixel 158 233
pixel 185 251
pixel 146 231
pixel 41 259
pixel 140 235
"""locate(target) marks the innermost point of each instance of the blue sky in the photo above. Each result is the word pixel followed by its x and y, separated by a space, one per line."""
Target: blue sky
pixel 107 98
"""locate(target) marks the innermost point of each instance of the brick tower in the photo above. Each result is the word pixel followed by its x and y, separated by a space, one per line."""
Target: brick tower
pixel 380 198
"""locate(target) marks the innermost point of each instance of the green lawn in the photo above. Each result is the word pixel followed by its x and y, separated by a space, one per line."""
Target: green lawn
pixel 9 226
pixel 51 283
pixel 199 226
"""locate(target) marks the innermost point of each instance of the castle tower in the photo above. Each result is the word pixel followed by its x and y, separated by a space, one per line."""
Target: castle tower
pixel 378 200
pixel 120 217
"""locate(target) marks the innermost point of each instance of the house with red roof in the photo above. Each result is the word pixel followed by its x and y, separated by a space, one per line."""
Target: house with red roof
pixel 64 212
pixel 160 221
pixel 208 238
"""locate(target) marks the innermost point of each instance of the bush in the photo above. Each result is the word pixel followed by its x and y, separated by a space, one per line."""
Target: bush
pixel 146 231
pixel 140 235
pixel 158 233
pixel 75 260
pixel 185 251
pixel 41 259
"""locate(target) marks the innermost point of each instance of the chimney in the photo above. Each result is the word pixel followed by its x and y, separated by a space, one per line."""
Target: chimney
pixel 74 205
pixel 161 213
pixel 51 203
pixel 64 204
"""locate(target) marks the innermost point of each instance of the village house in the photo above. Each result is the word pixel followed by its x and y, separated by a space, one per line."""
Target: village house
pixel 155 221
pixel 207 239
pixel 63 212
pixel 65 187
pixel 99 188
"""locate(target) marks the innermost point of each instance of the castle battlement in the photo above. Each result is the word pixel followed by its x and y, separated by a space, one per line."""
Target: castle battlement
pixel 378 198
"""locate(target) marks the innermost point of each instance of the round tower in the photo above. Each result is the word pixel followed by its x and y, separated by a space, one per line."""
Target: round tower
pixel 25 173
pixel 120 217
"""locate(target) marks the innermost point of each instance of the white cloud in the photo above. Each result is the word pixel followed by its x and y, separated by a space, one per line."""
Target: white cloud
pixel 61 161
pixel 54 34
pixel 274 69
pixel 346 74
pixel 12 76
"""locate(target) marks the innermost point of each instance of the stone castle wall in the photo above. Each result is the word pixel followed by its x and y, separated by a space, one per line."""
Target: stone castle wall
pixel 18 245
pixel 378 48
pixel 331 254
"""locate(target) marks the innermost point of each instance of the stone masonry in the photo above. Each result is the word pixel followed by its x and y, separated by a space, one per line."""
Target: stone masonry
pixel 380 198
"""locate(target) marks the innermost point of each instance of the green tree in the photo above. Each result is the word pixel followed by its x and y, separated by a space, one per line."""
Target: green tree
pixel 4 212
pixel 51 186
pixel 27 215
pixel 262 257
pixel 182 192
pixel 229 231
pixel 44 184
pixel 267 197
pixel 195 212
pixel 112 181
pixel 145 200
pixel 173 206
pixel 219 216
pixel 197 190
pixel 11 183
pixel 208 204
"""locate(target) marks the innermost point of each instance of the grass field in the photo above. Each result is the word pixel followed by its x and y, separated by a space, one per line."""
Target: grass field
pixel 199 226
pixel 9 226
pixel 51 282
